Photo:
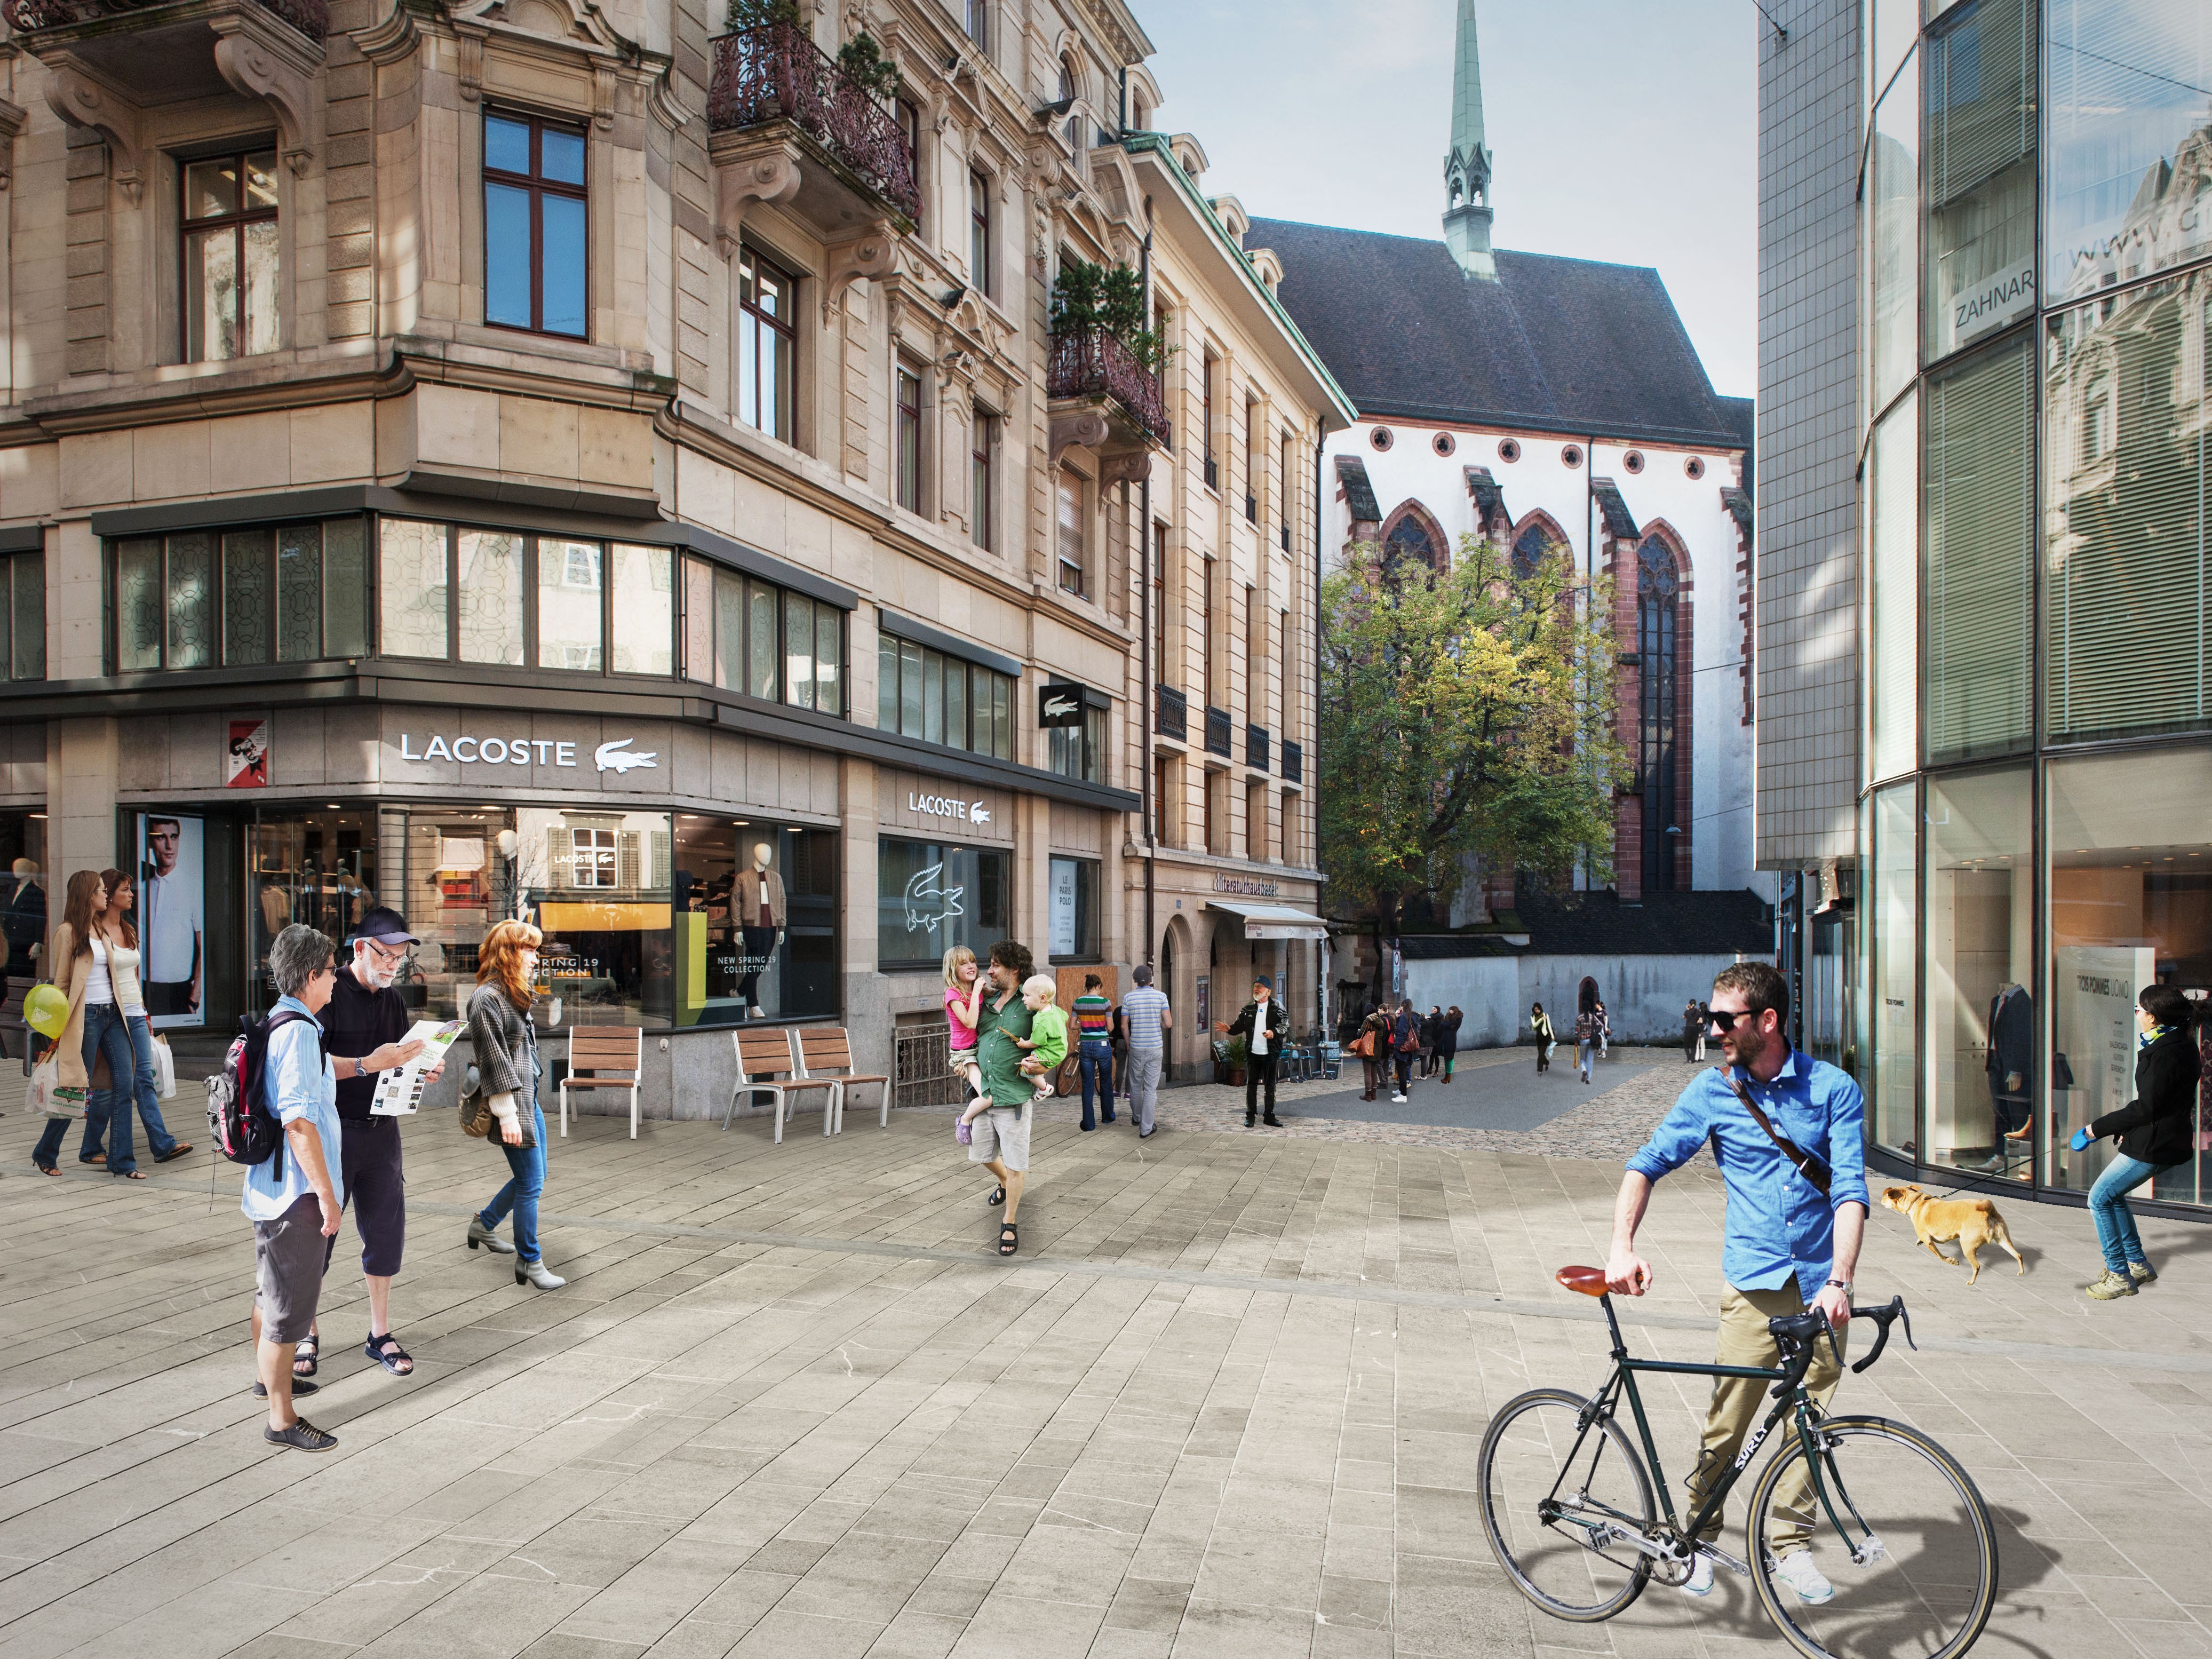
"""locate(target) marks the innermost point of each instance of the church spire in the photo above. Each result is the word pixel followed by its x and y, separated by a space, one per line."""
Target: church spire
pixel 1467 167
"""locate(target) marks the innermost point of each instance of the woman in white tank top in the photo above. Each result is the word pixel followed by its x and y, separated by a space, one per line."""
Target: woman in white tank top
pixel 115 1027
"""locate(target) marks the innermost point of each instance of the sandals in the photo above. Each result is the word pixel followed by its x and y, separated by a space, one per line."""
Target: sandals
pixel 998 1197
pixel 1008 1239
pixel 305 1354
pixel 128 1175
pixel 175 1152
pixel 44 1170
pixel 387 1351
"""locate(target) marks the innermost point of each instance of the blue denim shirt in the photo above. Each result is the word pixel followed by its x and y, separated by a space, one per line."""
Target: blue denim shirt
pixel 296 1081
pixel 1778 1224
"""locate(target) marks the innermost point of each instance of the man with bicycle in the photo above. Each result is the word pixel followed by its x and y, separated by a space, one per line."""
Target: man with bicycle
pixel 1788 1133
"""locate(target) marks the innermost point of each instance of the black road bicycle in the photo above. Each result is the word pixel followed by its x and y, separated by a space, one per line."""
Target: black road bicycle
pixel 1574 1514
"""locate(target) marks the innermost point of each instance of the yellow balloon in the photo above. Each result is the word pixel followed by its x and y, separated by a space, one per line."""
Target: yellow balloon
pixel 45 1011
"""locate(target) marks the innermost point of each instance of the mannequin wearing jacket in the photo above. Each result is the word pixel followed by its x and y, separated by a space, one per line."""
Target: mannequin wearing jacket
pixel 756 905
pixel 2011 1043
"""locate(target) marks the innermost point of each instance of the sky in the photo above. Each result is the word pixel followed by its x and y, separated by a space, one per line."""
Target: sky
pixel 1620 129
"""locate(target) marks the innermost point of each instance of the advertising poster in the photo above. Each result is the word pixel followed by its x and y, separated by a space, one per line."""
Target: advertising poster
pixel 1064 874
pixel 2094 1035
pixel 172 919
pixel 246 759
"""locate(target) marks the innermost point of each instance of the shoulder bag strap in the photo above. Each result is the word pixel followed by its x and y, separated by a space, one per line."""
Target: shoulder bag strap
pixel 1807 1165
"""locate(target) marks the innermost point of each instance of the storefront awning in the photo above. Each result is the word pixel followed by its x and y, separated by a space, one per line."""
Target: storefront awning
pixel 1272 921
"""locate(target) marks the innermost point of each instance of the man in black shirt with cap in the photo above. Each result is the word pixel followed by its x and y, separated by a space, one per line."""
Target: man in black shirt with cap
pixel 367 1016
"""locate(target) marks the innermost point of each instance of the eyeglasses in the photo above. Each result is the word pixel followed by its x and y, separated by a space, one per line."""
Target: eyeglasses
pixel 1724 1020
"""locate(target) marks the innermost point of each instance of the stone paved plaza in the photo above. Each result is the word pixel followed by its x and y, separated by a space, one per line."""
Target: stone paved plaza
pixel 1227 1401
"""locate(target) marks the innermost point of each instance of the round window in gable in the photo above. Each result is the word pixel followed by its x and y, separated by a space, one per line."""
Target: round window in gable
pixel 1508 450
pixel 1634 460
pixel 1444 443
pixel 1572 456
pixel 1695 467
pixel 1382 437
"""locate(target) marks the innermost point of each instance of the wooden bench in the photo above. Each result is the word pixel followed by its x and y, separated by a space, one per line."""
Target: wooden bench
pixel 826 1051
pixel 604 1057
pixel 764 1056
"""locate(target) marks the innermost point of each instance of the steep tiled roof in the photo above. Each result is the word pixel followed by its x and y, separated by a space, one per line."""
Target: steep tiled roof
pixel 1561 345
pixel 1600 925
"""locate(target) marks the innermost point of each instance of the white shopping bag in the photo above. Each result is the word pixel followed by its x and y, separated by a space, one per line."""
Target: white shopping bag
pixel 39 1097
pixel 164 1068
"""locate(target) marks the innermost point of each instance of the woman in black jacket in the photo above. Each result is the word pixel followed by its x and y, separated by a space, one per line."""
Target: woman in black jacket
pixel 2156 1131
pixel 1448 1038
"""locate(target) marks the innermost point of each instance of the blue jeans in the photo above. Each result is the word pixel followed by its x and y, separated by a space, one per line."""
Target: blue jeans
pixel 106 1105
pixel 521 1193
pixel 1097 1061
pixel 2108 1206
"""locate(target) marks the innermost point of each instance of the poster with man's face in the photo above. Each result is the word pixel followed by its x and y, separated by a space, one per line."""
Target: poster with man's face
pixel 172 919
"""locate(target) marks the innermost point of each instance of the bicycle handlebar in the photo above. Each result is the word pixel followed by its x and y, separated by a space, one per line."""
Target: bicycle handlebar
pixel 1884 1317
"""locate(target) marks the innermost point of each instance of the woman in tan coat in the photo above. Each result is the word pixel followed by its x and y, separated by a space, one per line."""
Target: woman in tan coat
pixel 116 1026
pixel 69 961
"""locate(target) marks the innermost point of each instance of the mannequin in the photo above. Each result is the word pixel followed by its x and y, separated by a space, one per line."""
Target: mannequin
pixel 2012 1042
pixel 756 898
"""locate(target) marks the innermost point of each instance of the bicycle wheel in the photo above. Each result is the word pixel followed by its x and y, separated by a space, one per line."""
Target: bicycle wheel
pixel 1552 1496
pixel 1926 1572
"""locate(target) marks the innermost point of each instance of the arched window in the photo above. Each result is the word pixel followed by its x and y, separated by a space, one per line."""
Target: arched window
pixel 1411 534
pixel 1531 548
pixel 1657 600
pixel 1067 79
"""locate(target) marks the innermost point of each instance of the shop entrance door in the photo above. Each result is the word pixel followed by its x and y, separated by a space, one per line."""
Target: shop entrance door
pixel 315 867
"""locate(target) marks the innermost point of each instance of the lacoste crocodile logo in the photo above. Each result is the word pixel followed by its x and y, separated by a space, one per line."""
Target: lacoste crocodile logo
pixel 617 757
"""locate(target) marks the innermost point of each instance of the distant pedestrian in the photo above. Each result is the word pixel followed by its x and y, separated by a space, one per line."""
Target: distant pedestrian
pixel 506 1044
pixel 1693 1019
pixel 1404 1044
pixel 2157 1131
pixel 1375 1033
pixel 1585 1041
pixel 1705 1028
pixel 1448 1038
pixel 70 966
pixel 1263 1026
pixel 1432 1025
pixel 1093 1013
pixel 1146 1019
pixel 1540 1023
pixel 295 1197
pixel 1603 1026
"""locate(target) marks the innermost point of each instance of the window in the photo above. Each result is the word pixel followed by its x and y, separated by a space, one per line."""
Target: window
pixel 979 231
pixel 1255 658
pixel 909 438
pixel 1287 698
pixel 981 464
pixel 2127 82
pixel 2127 544
pixel 215 598
pixel 1070 533
pixel 1072 930
pixel 591 857
pixel 1251 471
pixel 768 345
pixel 1892 673
pixel 931 897
pixel 1286 497
pixel 23 618
pixel 975 17
pixel 744 635
pixel 229 230
pixel 1255 823
pixel 924 694
pixel 1893 206
pixel 535 234
pixel 1980 159
pixel 1205 622
pixel 1214 782
pixel 910 126
pixel 1892 959
pixel 1655 766
pixel 570 603
pixel 1206 421
pixel 1159 602
pixel 1164 799
pixel 490 594
pixel 1078 751
pixel 642 603
pixel 1975 538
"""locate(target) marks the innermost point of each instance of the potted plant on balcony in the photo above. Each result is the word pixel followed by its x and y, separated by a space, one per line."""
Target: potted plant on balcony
pixel 1112 299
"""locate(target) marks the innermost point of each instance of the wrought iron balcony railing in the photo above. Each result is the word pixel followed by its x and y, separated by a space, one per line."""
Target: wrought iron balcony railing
pixel 1172 717
pixel 1220 732
pixel 1294 762
pixel 777 73
pixel 1255 746
pixel 1090 362
pixel 310 17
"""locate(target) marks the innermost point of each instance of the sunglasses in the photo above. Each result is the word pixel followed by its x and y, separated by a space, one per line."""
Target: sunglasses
pixel 1724 1020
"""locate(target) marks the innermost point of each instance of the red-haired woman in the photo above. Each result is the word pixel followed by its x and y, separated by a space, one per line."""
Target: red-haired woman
pixel 507 1061
pixel 71 962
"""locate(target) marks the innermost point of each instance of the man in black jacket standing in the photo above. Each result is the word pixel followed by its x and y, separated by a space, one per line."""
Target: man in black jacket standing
pixel 2156 1130
pixel 1262 1025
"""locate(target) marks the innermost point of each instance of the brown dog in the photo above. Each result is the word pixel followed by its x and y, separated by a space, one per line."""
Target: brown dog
pixel 1973 1222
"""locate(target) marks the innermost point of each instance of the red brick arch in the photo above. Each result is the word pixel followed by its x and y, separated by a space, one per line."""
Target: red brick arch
pixel 1411 512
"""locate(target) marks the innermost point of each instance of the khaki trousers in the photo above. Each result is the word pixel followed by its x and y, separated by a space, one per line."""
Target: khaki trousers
pixel 1738 1402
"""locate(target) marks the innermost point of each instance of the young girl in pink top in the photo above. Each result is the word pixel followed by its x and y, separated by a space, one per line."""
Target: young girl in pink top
pixel 964 1002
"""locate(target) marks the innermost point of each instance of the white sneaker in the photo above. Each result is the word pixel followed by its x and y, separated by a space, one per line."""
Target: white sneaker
pixel 1397 1100
pixel 1796 1569
pixel 1700 1581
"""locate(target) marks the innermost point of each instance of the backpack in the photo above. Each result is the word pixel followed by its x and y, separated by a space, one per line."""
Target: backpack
pixel 244 1129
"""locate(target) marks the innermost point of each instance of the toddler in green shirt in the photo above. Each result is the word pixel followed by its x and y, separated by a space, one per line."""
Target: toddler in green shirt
pixel 1047 1043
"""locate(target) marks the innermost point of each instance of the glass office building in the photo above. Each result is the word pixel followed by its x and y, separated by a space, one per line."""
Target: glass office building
pixel 2035 449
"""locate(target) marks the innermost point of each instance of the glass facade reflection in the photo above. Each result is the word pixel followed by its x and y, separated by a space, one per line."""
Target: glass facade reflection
pixel 2036 755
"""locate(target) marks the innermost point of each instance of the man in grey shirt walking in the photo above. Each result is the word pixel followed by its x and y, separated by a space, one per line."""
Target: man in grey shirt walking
pixel 1145 1017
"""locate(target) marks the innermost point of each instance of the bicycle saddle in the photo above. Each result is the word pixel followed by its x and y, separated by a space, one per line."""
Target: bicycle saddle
pixel 1590 1281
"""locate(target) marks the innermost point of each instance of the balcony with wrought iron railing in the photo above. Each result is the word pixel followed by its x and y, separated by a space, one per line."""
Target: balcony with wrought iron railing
pixel 1095 366
pixel 1256 747
pixel 310 17
pixel 1294 762
pixel 776 76
pixel 1171 719
pixel 1220 734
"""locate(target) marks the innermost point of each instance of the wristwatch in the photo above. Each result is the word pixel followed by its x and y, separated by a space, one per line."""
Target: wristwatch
pixel 1843 1285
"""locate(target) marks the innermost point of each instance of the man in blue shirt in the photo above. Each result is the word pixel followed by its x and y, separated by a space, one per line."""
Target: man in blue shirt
pixel 294 1199
pixel 1789 1246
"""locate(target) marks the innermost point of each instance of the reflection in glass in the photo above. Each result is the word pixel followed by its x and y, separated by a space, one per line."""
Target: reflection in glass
pixel 246 596
pixel 192 601
pixel 931 897
pixel 2128 389
pixel 799 650
pixel 568 604
pixel 490 590
pixel 507 144
pixel 412 568
pixel 138 605
pixel 1894 24
pixel 345 588
pixel 1892 195
pixel 1979 925
pixel 563 220
pixel 644 600
pixel 2131 904
pixel 27 613
pixel 730 630
pixel 1974 537
pixel 699 623
pixel 761 643
pixel 829 660
pixel 1892 668
pixel 1893 957
pixel 507 255
pixel 2130 141
pixel 299 593
pixel 1981 175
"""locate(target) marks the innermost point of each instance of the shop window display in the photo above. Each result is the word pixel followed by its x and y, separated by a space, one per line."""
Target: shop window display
pixel 931 896
pixel 755 921
pixel 1978 925
pixel 320 869
pixel 2131 885
pixel 23 897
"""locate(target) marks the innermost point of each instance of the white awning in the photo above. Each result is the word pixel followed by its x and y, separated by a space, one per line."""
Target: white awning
pixel 1263 921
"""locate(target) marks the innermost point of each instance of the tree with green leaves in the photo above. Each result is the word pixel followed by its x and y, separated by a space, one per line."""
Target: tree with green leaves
pixel 1465 712
pixel 1110 298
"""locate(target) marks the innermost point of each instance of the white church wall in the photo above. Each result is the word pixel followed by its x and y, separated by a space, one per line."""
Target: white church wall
pixel 1486 990
pixel 1643 995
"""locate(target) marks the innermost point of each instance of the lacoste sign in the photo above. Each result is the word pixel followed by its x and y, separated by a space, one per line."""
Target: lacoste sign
pixel 1060 704
pixel 947 807
pixel 616 755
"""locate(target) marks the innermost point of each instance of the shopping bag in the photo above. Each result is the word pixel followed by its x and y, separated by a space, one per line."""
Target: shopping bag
pixel 164 1069
pixel 45 1094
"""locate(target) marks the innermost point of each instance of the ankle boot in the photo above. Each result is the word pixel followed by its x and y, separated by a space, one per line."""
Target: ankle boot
pixel 537 1273
pixel 481 1236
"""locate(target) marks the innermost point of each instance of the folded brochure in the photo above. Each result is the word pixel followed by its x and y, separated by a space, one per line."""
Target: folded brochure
pixel 399 1091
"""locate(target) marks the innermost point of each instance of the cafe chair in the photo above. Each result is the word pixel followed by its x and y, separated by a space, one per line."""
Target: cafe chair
pixel 604 1057
pixel 765 1056
pixel 826 1051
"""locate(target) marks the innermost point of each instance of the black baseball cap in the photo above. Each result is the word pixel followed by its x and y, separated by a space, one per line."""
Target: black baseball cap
pixel 386 926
